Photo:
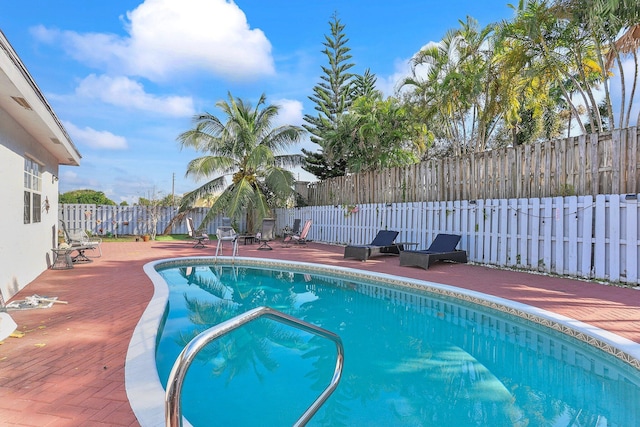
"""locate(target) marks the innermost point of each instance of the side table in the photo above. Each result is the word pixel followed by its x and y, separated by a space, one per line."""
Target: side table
pixel 401 246
pixel 62 259
pixel 248 238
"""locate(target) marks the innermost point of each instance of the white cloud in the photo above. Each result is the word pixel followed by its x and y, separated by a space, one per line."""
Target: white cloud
pixel 95 139
pixel 289 113
pixel 402 69
pixel 124 92
pixel 69 176
pixel 616 91
pixel 167 38
pixel 390 84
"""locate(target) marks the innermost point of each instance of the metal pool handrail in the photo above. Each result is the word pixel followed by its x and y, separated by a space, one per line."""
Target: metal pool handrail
pixel 173 407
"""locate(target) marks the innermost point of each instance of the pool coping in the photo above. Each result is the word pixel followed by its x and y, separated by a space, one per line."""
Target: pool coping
pixel 146 394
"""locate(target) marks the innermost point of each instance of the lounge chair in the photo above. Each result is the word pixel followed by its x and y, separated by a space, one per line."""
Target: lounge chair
pixel 443 248
pixel 198 237
pixel 301 237
pixel 267 234
pixel 382 244
pixel 293 230
pixel 226 233
pixel 79 241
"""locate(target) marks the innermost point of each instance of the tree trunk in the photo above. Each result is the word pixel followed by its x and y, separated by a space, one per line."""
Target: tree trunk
pixel 633 89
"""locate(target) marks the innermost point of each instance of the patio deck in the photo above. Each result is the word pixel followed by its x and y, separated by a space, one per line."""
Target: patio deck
pixel 68 368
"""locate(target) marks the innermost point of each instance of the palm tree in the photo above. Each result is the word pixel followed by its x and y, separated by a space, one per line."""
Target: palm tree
pixel 612 30
pixel 248 149
pixel 454 84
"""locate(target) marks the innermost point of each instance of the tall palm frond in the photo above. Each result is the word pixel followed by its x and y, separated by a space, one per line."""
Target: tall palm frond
pixel 248 149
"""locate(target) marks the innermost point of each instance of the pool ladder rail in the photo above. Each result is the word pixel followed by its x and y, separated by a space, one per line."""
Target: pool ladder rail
pixel 173 407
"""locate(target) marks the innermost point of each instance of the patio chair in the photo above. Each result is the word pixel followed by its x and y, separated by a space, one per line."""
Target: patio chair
pixel 80 241
pixel 443 248
pixel 267 234
pixel 226 233
pixel 288 232
pixel 301 237
pixel 198 237
pixel 382 244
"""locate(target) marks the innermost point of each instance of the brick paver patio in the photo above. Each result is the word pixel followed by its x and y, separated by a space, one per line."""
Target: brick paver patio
pixel 68 368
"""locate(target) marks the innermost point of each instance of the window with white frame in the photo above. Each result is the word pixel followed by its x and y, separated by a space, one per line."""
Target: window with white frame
pixel 32 191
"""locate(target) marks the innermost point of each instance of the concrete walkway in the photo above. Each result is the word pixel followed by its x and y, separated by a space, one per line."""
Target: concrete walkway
pixel 68 368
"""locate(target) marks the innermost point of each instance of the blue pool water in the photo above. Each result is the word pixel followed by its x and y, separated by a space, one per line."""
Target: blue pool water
pixel 411 358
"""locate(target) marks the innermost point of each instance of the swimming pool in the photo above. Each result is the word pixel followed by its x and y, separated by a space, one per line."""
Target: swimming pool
pixel 411 358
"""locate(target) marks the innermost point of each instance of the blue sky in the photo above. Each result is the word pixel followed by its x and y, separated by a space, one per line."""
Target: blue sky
pixel 125 77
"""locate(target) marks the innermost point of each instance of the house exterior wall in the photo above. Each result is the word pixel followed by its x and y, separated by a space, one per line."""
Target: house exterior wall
pixel 25 249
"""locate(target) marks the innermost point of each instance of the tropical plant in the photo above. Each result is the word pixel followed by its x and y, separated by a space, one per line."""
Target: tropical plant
pixel 549 53
pixel 376 134
pixel 90 197
pixel 247 149
pixel 365 85
pixel 612 29
pixel 453 86
pixel 332 98
pixel 152 204
pixel 528 78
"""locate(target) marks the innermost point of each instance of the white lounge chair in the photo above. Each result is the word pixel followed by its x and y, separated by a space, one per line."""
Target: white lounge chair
pixel 79 240
pixel 226 233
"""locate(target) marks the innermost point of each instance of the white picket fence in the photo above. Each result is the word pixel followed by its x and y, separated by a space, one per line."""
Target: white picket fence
pixel 108 219
pixel 579 236
pixel 576 236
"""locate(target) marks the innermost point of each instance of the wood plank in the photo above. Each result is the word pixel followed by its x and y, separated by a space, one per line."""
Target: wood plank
pixel 633 174
pixel 616 152
pixel 595 163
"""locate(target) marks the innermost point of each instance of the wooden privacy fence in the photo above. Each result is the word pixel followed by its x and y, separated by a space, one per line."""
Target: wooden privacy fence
pixel 605 163
pixel 581 236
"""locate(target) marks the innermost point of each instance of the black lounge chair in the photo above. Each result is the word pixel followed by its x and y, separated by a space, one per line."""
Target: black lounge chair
pixel 267 234
pixel 382 244
pixel 443 248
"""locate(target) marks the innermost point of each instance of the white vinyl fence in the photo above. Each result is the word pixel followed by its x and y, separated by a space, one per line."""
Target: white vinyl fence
pixel 577 236
pixel 135 220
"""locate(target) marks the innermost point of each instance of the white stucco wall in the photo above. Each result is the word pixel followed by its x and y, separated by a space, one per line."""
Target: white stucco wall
pixel 25 249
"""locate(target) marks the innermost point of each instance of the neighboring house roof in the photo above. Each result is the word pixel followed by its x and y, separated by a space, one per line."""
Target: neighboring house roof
pixel 23 100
